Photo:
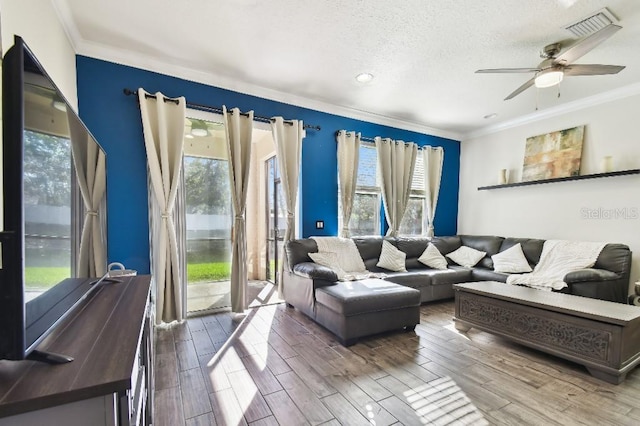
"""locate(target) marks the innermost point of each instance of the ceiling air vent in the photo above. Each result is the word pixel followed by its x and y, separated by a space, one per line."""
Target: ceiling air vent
pixel 592 23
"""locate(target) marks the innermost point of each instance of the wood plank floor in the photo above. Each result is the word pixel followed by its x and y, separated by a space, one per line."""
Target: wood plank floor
pixel 278 367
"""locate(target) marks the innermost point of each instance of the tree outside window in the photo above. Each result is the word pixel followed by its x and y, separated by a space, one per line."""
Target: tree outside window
pixel 365 214
pixel 413 220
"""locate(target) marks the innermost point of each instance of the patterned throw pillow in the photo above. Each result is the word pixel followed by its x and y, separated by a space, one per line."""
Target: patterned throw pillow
pixel 330 260
pixel 466 256
pixel 391 258
pixel 511 261
pixel 433 258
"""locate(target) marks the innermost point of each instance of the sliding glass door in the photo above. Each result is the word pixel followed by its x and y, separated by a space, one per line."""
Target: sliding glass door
pixel 276 220
pixel 209 217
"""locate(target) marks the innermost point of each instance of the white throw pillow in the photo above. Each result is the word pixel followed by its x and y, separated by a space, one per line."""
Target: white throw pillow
pixel 330 260
pixel 466 256
pixel 433 258
pixel 391 258
pixel 511 261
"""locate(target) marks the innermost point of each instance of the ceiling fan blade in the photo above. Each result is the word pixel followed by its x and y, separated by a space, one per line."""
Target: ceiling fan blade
pixel 585 45
pixel 592 69
pixel 507 70
pixel 520 89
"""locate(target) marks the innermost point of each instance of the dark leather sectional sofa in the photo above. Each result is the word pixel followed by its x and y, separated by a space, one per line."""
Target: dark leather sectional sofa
pixel 608 279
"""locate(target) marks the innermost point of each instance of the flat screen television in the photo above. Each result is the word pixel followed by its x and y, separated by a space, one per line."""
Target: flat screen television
pixel 54 208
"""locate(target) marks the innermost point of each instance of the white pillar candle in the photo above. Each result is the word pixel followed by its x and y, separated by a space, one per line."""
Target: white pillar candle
pixel 606 164
pixel 503 176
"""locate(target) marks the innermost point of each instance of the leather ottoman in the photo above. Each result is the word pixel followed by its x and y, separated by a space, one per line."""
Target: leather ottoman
pixel 355 309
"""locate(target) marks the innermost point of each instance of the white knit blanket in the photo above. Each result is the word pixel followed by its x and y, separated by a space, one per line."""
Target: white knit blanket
pixel 349 258
pixel 557 259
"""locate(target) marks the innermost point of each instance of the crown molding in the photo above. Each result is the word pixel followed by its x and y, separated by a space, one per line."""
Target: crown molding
pixel 601 98
pixel 68 24
pixel 150 63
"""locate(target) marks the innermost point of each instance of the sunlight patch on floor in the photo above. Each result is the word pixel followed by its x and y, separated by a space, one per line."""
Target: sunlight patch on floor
pixel 442 401
pixel 452 328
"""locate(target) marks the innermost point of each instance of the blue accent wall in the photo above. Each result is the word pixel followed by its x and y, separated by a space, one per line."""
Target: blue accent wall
pixel 114 119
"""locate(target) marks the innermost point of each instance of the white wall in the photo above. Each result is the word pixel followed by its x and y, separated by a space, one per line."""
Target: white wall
pixel 558 210
pixel 36 21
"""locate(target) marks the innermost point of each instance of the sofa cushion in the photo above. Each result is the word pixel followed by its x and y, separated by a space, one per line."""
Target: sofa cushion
pixel 369 295
pixel 511 260
pixel 446 245
pixel 418 278
pixel 369 247
pixel 466 256
pixel 391 258
pixel 413 247
pixel 298 251
pixel 481 274
pixel 531 247
pixel 487 243
pixel 433 258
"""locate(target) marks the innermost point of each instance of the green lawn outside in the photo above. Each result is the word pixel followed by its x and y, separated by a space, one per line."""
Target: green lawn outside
pixel 215 271
pixel 44 277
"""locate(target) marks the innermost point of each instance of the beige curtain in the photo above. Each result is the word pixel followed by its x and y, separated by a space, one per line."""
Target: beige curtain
pixel 238 132
pixel 163 122
pixel 89 163
pixel 433 160
pixel 396 161
pixel 288 140
pixel 348 156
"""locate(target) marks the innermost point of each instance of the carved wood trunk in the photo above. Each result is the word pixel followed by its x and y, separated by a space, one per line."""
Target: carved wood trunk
pixel 603 336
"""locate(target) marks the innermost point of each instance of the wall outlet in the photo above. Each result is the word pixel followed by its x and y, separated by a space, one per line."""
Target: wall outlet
pixel 319 224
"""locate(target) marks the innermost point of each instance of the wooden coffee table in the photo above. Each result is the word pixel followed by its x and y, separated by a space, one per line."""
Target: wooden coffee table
pixel 603 336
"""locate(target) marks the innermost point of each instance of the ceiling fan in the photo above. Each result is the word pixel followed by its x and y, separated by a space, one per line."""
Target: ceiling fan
pixel 555 65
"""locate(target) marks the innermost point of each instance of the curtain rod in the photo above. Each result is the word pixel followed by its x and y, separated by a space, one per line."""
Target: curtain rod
pixel 368 139
pixel 217 110
pixel 362 138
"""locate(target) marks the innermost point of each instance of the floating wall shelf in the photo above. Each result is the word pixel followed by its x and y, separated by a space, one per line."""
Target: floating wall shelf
pixel 563 179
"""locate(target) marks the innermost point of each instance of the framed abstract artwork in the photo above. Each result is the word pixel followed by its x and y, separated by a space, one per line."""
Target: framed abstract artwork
pixel 553 155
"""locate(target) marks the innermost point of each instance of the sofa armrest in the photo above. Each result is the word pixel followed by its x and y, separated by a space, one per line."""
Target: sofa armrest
pixel 590 275
pixel 598 284
pixel 315 272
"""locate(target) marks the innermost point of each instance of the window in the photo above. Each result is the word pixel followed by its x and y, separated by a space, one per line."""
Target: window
pixel 365 214
pixel 412 221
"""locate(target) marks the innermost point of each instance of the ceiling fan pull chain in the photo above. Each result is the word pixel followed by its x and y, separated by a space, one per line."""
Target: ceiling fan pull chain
pixel 537 96
pixel 559 90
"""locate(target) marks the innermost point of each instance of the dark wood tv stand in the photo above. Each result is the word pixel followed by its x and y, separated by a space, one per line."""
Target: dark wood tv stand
pixel 110 381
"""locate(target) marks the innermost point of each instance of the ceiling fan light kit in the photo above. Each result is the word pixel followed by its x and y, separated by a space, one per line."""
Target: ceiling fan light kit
pixel 557 64
pixel 548 78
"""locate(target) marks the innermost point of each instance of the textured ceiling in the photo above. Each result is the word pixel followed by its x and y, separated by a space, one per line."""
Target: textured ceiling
pixel 423 53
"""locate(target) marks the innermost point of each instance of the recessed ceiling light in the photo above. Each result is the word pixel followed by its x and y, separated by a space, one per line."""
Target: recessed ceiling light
pixel 59 105
pixel 364 77
pixel 199 132
pixel 490 116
